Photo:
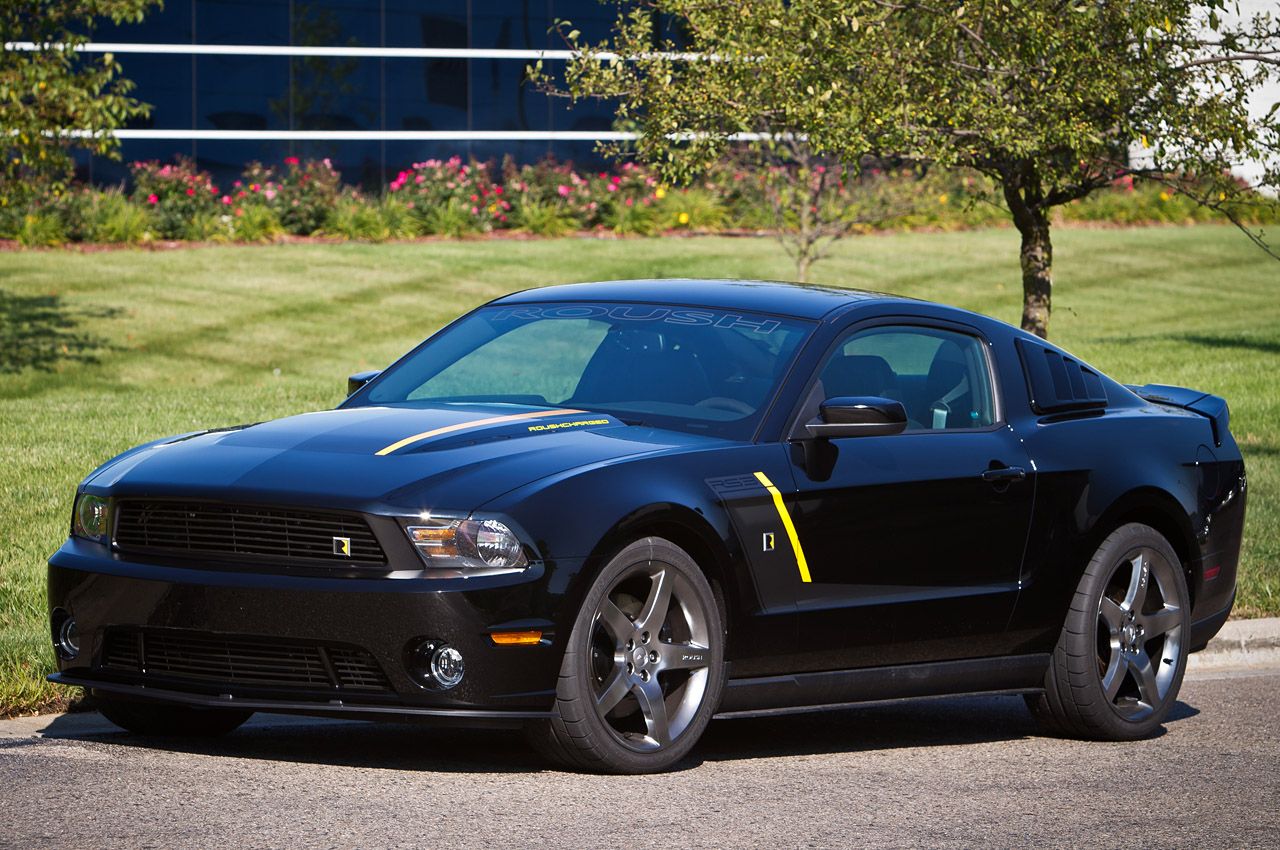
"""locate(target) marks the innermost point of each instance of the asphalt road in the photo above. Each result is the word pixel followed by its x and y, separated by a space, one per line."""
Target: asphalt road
pixel 957 772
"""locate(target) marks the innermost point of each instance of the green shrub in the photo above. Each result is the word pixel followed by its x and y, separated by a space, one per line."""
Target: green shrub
pixel 41 230
pixel 213 227
pixel 354 218
pixel 695 208
pixel 115 219
pixel 451 218
pixel 255 223
pixel 544 218
pixel 399 219
pixel 630 218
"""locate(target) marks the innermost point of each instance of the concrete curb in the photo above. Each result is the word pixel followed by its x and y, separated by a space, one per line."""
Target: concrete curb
pixel 1241 643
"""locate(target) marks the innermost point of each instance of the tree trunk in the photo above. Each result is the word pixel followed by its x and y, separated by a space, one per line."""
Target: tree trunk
pixel 1037 276
pixel 803 261
pixel 1023 195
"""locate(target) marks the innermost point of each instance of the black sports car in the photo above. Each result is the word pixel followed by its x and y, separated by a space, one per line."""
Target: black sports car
pixel 608 512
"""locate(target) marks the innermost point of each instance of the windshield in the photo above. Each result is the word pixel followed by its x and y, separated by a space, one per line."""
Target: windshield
pixel 701 370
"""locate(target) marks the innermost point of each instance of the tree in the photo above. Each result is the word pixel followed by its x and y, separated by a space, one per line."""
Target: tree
pixel 54 98
pixel 1047 97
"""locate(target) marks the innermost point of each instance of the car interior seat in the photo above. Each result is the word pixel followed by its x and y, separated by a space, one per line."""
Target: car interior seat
pixel 633 364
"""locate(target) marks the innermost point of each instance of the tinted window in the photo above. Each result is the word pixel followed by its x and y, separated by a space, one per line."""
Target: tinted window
pixel 694 369
pixel 941 377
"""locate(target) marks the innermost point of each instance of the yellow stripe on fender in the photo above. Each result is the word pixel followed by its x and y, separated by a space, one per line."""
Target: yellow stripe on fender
pixel 787 524
pixel 476 423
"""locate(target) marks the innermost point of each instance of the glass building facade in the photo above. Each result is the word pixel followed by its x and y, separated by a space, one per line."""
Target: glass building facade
pixel 372 84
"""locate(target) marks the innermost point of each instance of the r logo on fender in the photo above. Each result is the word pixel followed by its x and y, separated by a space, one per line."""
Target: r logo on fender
pixel 767 541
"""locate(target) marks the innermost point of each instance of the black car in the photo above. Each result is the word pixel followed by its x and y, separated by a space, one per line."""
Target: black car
pixel 608 512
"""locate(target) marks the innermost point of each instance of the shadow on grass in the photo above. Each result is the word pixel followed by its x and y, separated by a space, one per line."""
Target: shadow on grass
pixel 1262 346
pixel 39 331
pixel 952 721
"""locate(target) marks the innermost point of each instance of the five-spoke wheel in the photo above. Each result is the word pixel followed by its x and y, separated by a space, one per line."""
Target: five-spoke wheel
pixel 644 666
pixel 1120 659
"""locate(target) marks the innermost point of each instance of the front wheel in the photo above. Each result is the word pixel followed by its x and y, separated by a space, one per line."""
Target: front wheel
pixel 169 720
pixel 644 667
pixel 1119 663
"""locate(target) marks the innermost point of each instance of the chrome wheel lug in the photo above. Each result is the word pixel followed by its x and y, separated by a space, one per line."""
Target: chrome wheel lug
pixel 644 638
pixel 644 675
pixel 630 644
pixel 653 656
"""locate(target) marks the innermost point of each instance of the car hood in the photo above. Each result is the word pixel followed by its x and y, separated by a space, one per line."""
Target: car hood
pixel 444 458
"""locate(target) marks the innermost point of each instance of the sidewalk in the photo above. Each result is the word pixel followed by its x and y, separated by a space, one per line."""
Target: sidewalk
pixel 1241 643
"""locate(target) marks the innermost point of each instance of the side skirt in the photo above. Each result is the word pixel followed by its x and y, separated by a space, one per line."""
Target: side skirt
pixel 811 691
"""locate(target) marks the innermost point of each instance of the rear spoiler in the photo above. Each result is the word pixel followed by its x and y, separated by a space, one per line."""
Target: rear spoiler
pixel 1212 407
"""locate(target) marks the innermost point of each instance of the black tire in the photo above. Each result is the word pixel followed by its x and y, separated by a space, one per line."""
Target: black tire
pixel 168 720
pixel 1119 662
pixel 623 652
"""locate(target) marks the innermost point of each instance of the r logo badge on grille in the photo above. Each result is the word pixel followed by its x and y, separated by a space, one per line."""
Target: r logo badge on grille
pixel 342 546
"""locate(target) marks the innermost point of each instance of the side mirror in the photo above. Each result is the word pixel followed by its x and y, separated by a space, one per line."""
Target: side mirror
pixel 359 379
pixel 868 416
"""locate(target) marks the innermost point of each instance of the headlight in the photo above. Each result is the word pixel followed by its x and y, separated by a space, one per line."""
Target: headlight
pixel 91 518
pixel 467 544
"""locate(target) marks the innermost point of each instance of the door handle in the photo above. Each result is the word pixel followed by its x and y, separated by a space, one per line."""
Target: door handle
pixel 1004 474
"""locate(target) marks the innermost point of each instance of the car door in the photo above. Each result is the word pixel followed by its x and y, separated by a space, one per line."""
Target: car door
pixel 915 540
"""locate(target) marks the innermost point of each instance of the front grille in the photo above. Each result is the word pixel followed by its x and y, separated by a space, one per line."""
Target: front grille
pixel 241 660
pixel 220 530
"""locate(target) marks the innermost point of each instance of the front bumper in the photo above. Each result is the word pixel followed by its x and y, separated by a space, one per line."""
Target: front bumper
pixel 385 618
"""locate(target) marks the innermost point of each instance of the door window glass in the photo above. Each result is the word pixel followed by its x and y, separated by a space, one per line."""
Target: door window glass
pixel 940 376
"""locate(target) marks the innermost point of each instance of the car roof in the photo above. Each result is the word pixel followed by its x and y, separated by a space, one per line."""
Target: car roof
pixel 759 296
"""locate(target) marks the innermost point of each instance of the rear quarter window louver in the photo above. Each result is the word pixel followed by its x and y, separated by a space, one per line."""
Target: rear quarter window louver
pixel 1058 383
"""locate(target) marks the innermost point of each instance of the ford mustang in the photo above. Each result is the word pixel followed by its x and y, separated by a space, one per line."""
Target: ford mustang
pixel 608 512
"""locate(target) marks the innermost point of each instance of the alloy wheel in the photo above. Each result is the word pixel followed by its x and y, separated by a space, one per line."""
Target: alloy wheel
pixel 1140 633
pixel 650 656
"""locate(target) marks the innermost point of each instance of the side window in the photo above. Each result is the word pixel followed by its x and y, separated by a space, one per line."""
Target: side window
pixel 941 377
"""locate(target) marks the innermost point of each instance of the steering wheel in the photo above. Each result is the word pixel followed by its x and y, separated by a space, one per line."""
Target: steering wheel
pixel 732 405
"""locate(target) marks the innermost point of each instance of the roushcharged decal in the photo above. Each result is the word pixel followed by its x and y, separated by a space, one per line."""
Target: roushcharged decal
pixel 556 426
pixel 475 423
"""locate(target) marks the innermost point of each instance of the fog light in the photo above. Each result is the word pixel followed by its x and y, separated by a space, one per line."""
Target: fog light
pixel 436 665
pixel 447 666
pixel 66 634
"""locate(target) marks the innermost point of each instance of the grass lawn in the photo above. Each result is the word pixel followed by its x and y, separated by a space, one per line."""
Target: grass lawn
pixel 103 351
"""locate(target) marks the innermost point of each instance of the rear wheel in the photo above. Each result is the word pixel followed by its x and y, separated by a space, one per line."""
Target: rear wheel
pixel 644 667
pixel 1120 659
pixel 168 720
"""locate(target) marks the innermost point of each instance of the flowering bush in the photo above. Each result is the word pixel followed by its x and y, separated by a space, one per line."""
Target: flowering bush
pixel 457 198
pixel 465 188
pixel 173 194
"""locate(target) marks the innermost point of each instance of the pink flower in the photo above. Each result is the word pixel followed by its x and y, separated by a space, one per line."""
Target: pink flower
pixel 290 160
pixel 270 194
pixel 153 199
pixel 497 190
pixel 239 212
pixel 253 187
pixel 226 199
pixel 613 187
pixel 237 184
pixel 563 191
pixel 630 202
pixel 190 192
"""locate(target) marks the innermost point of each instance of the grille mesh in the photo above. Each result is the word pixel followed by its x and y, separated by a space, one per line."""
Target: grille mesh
pixel 245 660
pixel 215 529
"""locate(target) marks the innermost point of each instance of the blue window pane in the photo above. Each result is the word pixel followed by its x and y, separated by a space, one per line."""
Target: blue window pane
pixel 518 25
pixel 426 94
pixel 337 23
pixel 242 92
pixel 169 25
pixel 242 22
pixel 164 82
pixel 501 99
pixel 435 24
